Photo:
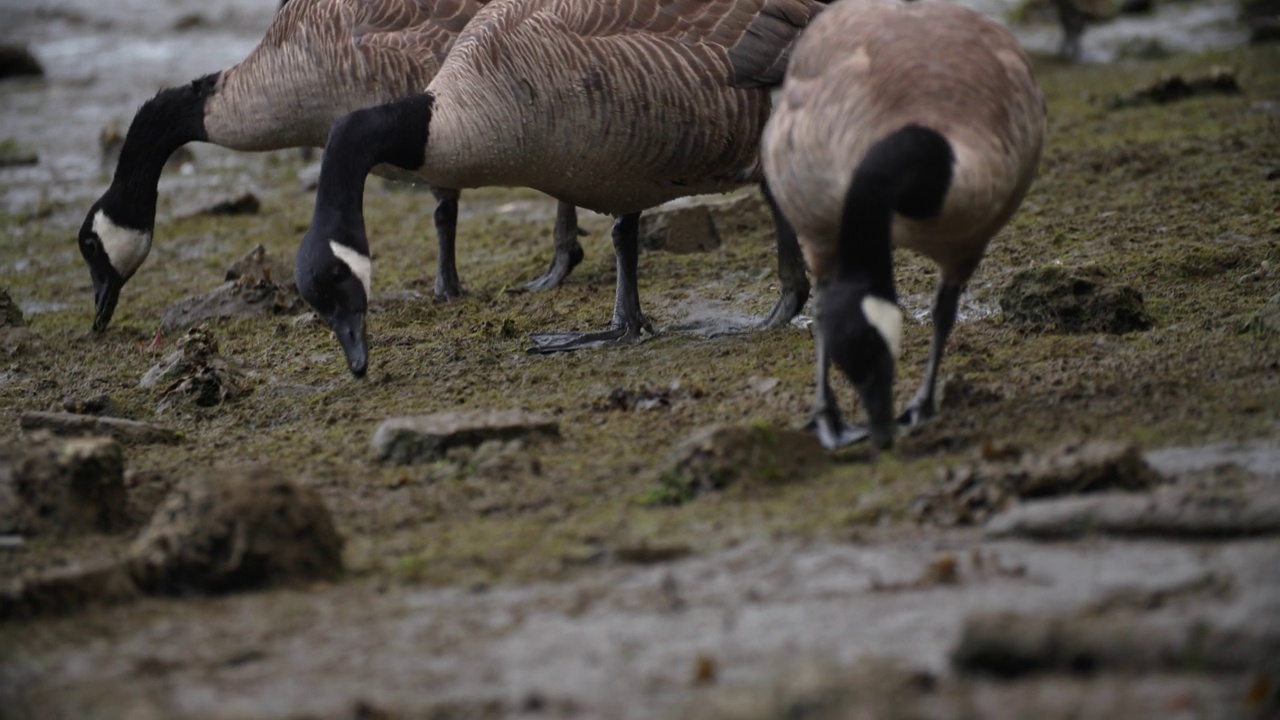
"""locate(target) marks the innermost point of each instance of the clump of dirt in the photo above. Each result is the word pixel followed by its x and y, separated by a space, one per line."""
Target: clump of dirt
pixel 245 203
pixel 66 589
pixel 61 486
pixel 258 264
pixel 247 296
pixel 234 529
pixel 716 457
pixel 100 404
pixel 647 397
pixel 10 313
pixel 195 372
pixel 969 494
pixel 1078 300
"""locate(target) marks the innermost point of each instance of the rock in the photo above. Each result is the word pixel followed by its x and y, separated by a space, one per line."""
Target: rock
pixel 17 61
pixel 195 371
pixel 14 154
pixel 1007 644
pixel 1265 322
pixel 246 203
pixel 97 405
pixel 1170 512
pixel 716 457
pixel 1080 300
pixel 969 494
pixel 415 438
pixel 235 529
pixel 742 216
pixel 59 486
pixel 10 313
pixel 258 264
pixel 129 432
pixel 680 229
pixel 65 589
pixel 245 297
pixel 1175 87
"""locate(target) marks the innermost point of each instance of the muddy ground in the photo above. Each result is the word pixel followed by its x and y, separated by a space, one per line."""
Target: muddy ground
pixel 562 577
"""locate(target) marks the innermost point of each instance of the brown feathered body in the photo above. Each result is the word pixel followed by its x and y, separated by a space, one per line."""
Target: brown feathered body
pixel 870 67
pixel 612 105
pixel 321 59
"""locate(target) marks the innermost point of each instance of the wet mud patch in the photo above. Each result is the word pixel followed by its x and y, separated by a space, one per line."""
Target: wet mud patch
pixel 1080 300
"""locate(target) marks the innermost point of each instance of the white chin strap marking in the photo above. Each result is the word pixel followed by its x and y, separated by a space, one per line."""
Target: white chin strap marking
pixel 126 248
pixel 360 265
pixel 886 318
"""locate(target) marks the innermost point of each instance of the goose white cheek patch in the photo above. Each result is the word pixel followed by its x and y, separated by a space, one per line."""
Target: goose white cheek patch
pixel 126 248
pixel 360 265
pixel 886 318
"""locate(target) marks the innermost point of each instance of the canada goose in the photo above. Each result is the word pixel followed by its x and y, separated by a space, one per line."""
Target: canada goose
pixel 612 106
pixel 911 124
pixel 319 60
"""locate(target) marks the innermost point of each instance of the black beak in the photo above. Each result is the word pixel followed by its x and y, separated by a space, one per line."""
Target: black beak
pixel 350 329
pixel 876 393
pixel 107 294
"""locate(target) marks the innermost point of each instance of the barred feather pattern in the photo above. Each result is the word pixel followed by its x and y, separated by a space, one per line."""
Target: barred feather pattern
pixel 321 59
pixel 612 105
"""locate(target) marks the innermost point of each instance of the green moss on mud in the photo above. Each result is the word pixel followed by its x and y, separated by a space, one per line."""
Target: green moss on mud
pixel 1172 198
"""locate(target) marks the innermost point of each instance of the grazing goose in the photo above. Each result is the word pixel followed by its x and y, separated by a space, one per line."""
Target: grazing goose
pixel 910 124
pixel 611 105
pixel 319 60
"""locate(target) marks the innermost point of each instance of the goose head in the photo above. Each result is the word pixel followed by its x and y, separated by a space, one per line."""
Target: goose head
pixel 116 235
pixel 113 248
pixel 862 334
pixel 334 277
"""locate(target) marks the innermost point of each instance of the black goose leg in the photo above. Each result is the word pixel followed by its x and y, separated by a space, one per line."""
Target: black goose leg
pixel 628 321
pixel 446 217
pixel 1072 19
pixel 945 304
pixel 791 270
pixel 568 251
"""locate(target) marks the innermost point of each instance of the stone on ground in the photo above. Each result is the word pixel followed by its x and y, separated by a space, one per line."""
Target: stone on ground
pixel 417 438
pixel 129 432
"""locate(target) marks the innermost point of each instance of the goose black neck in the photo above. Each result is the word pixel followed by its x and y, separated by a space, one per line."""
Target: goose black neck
pixel 908 173
pixel 394 133
pixel 166 122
